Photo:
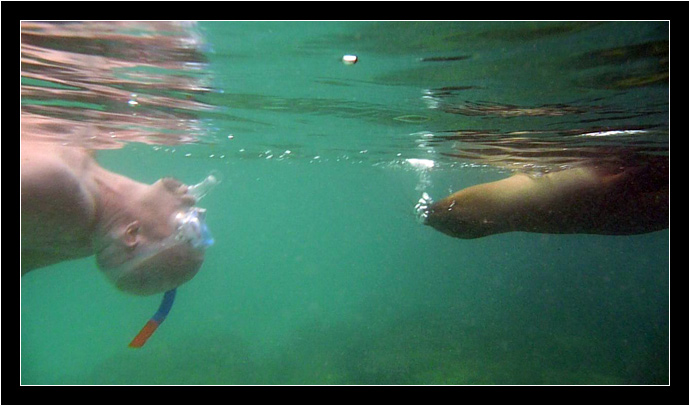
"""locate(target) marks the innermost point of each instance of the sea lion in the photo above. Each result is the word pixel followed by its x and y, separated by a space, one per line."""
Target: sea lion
pixel 611 200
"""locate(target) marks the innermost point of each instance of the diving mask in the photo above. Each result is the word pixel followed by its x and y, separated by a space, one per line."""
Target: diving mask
pixel 191 228
pixel 190 224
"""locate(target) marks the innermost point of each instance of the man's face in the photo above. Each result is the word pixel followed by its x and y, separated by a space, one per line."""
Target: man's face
pixel 152 259
pixel 157 206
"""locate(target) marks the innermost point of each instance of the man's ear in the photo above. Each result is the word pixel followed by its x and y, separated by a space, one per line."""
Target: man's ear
pixel 131 234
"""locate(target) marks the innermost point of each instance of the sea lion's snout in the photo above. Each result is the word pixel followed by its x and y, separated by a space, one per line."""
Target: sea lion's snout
pixel 452 218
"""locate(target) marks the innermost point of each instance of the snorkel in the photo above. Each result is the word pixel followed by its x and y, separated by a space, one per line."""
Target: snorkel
pixel 155 321
pixel 190 228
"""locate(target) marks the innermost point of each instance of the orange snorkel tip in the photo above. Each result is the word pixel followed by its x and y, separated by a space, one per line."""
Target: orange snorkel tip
pixel 145 333
pixel 155 321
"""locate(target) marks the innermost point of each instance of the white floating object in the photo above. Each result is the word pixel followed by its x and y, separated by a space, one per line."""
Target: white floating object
pixel 349 59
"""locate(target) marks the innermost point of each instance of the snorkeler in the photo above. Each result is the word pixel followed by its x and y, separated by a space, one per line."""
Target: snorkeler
pixel 147 239
pixel 605 199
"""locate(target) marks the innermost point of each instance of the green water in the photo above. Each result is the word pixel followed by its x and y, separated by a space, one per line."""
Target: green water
pixel 321 274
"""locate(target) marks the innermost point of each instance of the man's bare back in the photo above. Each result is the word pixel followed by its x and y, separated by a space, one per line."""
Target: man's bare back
pixel 58 212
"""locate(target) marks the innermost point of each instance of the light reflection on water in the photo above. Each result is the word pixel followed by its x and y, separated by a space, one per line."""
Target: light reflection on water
pixel 99 84
pixel 502 94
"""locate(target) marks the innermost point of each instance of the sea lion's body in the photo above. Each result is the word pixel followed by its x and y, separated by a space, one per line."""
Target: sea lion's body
pixel 591 200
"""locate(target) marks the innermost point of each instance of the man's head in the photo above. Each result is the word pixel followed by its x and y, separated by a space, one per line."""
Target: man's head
pixel 156 242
